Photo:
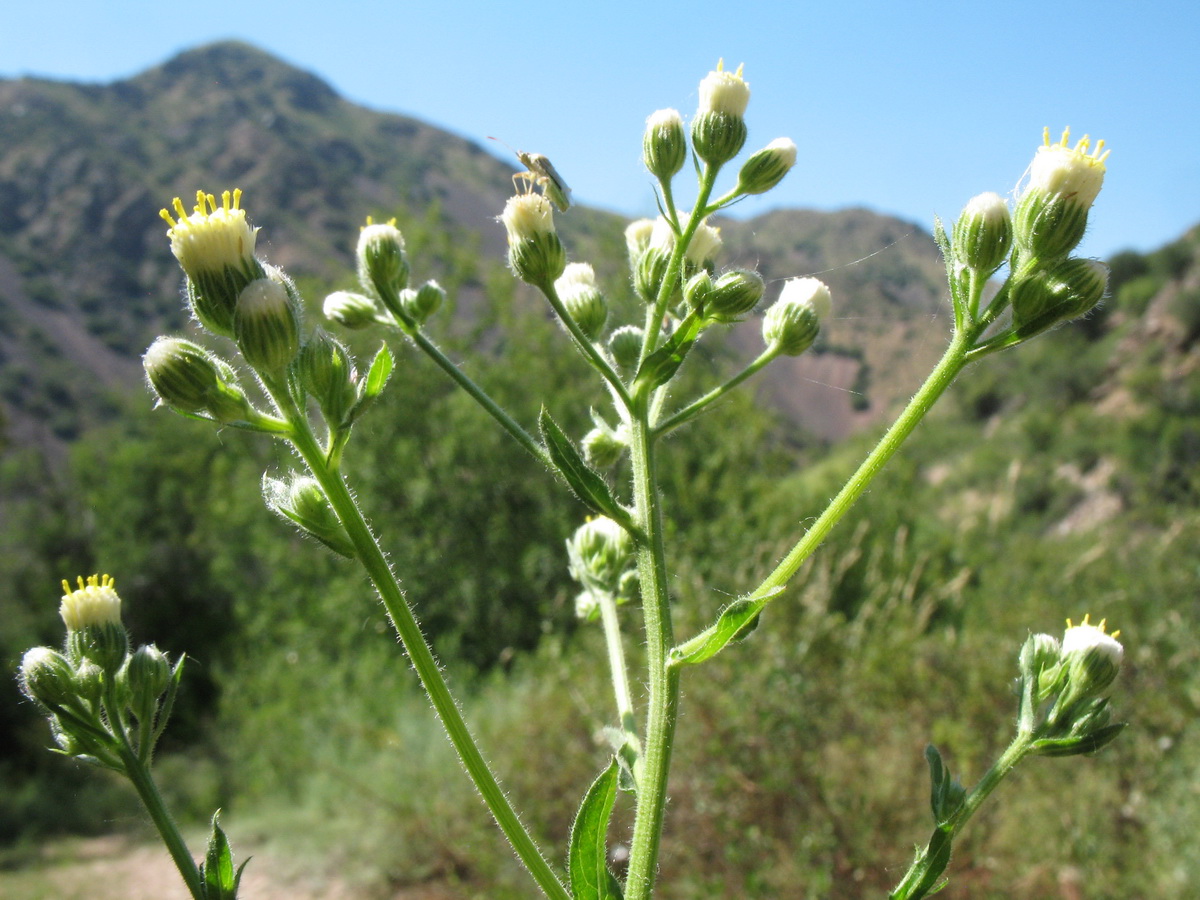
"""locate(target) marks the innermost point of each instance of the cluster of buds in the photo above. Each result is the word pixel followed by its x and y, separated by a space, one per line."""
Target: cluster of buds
pixel 102 699
pixel 1063 686
pixel 1046 285
pixel 600 554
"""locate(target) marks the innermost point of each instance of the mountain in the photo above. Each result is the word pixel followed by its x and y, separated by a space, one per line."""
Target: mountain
pixel 87 280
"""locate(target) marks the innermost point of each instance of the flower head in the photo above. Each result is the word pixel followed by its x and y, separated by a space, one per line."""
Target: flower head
pixel 724 92
pixel 792 322
pixel 582 299
pixel 535 253
pixel 215 249
pixel 382 264
pixel 94 602
pixel 213 237
pixel 1070 171
pixel 664 145
pixel 766 168
pixel 1091 656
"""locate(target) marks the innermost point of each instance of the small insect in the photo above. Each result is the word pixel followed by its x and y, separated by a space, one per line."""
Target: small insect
pixel 541 173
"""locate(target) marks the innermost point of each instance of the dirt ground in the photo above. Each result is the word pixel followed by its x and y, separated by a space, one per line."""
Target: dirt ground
pixel 114 868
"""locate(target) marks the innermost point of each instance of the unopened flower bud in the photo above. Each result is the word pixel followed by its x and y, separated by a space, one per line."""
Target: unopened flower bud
pixel 1091 657
pixel 792 322
pixel 47 677
pixel 147 673
pixel 1066 291
pixel 301 500
pixel 422 303
pixel 267 324
pixel 599 552
pixel 215 249
pixel 189 379
pixel 766 168
pixel 327 374
pixel 705 245
pixel 664 145
pixel 719 128
pixel 603 447
pixel 582 299
pixel 92 614
pixel 697 290
pixel 535 254
pixel 382 263
pixel 983 233
pixel 587 606
pixel 350 310
pixel 637 239
pixel 89 680
pixel 625 345
pixel 733 295
pixel 1051 213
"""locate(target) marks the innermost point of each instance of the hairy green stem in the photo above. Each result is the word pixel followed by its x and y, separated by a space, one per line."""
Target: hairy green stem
pixel 663 703
pixel 419 652
pixel 948 367
pixel 697 406
pixel 616 660
pixel 585 346
pixel 147 790
pixel 464 381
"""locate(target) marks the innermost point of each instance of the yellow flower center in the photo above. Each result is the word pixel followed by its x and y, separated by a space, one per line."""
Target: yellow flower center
pixel 93 602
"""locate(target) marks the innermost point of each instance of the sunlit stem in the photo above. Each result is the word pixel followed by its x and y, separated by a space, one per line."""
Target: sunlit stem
pixel 697 406
pixel 416 647
pixel 616 660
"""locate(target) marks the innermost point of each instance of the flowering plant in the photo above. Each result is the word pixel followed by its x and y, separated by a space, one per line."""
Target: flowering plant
pixel 108 704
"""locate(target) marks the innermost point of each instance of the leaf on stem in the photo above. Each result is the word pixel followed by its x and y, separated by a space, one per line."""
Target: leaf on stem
pixel 587 854
pixel 736 621
pixel 946 794
pixel 372 385
pixel 587 484
pixel 219 879
pixel 660 366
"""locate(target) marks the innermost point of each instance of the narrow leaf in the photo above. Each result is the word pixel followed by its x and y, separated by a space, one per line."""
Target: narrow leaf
pixel 378 374
pixel 587 854
pixel 736 621
pixel 587 484
pixel 660 366
pixel 219 878
pixel 1076 746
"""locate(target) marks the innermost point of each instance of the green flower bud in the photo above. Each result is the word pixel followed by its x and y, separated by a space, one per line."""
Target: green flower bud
pixel 1066 291
pixel 983 233
pixel 148 673
pixel 582 299
pixel 267 323
pixel 1039 664
pixel 664 145
pixel 215 249
pixel 637 240
pixel 1051 213
pixel 719 128
pixel 535 254
pixel 89 680
pixel 704 246
pixel 350 310
pixel 792 322
pixel 697 291
pixel 650 272
pixel 420 304
pixel 327 374
pixel 301 500
pixel 598 553
pixel 766 168
pixel 1091 658
pixel 603 447
pixel 382 263
pixel 190 380
pixel 47 677
pixel 625 345
pixel 733 295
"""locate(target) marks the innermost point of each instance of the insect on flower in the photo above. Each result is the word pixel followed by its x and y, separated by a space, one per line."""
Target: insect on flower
pixel 541 172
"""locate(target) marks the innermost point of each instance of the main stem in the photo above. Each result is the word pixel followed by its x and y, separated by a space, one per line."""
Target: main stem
pixel 147 790
pixel 664 683
pixel 422 659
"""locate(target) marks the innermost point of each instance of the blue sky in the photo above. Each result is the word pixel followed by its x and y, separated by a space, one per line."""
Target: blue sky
pixel 907 108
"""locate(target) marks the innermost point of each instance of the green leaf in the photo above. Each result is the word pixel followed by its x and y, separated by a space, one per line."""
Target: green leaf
pixel 660 366
pixel 587 854
pixel 378 374
pixel 587 484
pixel 217 874
pixel 736 621
pixel 946 794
